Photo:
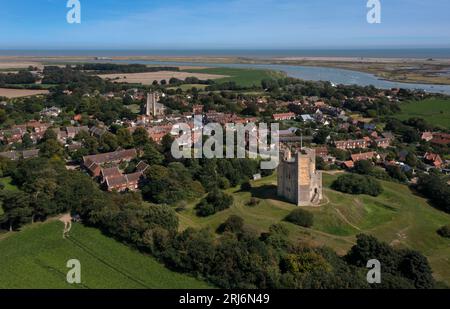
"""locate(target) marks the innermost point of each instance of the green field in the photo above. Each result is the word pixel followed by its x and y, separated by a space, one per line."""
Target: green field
pixel 134 108
pixel 396 216
pixel 434 111
pixel 36 258
pixel 189 87
pixel 242 77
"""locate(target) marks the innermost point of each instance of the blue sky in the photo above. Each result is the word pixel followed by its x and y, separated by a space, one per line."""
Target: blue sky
pixel 223 24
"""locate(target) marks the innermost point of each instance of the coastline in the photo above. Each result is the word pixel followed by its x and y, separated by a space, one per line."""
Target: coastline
pixel 403 70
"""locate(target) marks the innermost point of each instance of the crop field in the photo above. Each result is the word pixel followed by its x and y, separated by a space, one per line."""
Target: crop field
pixel 242 77
pixel 435 111
pixel 18 93
pixel 36 258
pixel 397 216
pixel 149 77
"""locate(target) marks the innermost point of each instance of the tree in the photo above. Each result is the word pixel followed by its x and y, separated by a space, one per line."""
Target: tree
pixel 234 224
pixel 357 184
pixel 108 142
pixel 50 134
pixel 436 190
pixel 51 148
pixel 216 201
pixel 395 172
pixel 16 207
pixel 301 217
pixel 152 156
pixel 411 159
pixel 364 167
pixel 444 231
pixel 321 137
pixel 415 267
pixel 124 138
pixel 140 137
pixel 26 140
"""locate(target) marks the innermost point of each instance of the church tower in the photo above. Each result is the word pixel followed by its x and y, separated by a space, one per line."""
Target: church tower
pixel 151 104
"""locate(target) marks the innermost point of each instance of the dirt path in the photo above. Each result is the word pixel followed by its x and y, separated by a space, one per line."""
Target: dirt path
pixel 346 220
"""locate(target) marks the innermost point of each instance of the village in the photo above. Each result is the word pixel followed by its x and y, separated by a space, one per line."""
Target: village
pixel 350 138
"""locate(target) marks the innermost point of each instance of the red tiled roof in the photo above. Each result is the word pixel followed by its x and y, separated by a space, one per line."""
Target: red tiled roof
pixel 363 156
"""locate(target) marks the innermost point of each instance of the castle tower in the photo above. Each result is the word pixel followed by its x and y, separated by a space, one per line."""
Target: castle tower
pixel 298 180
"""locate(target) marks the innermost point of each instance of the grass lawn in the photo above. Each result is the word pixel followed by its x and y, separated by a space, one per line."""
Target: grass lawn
pixel 435 111
pixel 242 77
pixel 36 257
pixel 134 108
pixel 6 182
pixel 396 216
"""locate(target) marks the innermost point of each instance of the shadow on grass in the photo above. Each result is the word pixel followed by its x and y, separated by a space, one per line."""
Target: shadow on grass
pixel 267 192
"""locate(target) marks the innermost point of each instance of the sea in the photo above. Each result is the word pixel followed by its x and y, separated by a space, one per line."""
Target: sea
pixel 420 53
pixel 313 73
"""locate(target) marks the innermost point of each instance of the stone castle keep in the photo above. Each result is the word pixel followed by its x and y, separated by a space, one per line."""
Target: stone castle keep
pixel 298 180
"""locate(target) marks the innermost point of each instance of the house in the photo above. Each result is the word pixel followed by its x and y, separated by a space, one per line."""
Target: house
pixel 284 116
pixel 381 142
pixel 433 159
pixel 363 156
pixel 97 132
pixel 17 155
pixel 73 131
pixel 93 163
pixel 11 155
pixel 51 112
pixel 440 138
pixel 32 153
pixel 123 182
pixel 110 172
pixel 348 164
pixel 427 136
pixel 307 118
pixel 351 144
pixel 321 151
pixel 141 167
pixel 388 135
pixel 13 135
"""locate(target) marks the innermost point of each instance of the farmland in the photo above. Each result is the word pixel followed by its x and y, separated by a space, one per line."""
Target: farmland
pixel 36 257
pixel 396 216
pixel 18 93
pixel 435 111
pixel 242 77
pixel 148 77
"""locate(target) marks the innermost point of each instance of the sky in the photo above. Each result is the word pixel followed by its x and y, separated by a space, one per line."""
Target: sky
pixel 223 24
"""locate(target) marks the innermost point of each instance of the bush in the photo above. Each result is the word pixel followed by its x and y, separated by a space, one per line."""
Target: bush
pixel 301 217
pixel 253 202
pixel 234 224
pixel 444 231
pixel 215 201
pixel 357 184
